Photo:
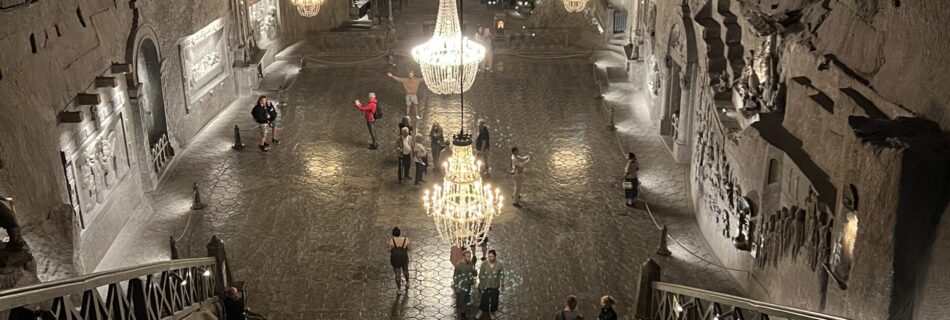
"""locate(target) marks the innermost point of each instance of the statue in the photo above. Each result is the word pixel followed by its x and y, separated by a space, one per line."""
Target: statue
pixel 8 222
pixel 798 231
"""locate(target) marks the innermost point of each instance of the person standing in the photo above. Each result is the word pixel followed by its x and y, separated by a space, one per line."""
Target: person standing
pixel 570 311
pixel 404 146
pixel 411 84
pixel 483 146
pixel 369 113
pixel 517 169
pixel 491 277
pixel 262 118
pixel 632 185
pixel 607 309
pixel 488 41
pixel 406 122
pixel 437 143
pixel 421 158
pixel 236 309
pixel 399 247
pixel 462 281
pixel 272 117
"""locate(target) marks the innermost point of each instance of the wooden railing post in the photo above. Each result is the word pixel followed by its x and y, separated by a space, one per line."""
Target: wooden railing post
pixel 222 272
pixel 649 273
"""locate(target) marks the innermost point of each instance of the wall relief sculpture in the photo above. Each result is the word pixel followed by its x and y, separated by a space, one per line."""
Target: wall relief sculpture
pixel 265 22
pixel 759 87
pixel 204 60
pixel 95 169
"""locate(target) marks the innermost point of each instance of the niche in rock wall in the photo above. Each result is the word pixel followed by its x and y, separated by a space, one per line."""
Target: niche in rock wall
pixel 843 251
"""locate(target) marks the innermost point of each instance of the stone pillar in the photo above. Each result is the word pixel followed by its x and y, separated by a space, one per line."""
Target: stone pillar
pixel 649 273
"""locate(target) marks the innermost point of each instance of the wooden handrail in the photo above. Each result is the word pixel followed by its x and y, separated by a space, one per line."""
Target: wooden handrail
pixel 16 297
pixel 744 303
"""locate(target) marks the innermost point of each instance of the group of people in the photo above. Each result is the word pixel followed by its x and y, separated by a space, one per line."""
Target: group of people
pixel 265 114
pixel 572 312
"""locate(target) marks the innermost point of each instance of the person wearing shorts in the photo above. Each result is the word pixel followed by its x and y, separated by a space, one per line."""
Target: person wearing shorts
pixel 399 248
pixel 411 84
pixel 262 117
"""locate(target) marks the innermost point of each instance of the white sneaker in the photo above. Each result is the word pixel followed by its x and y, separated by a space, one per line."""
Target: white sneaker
pixel 418 117
pixel 478 315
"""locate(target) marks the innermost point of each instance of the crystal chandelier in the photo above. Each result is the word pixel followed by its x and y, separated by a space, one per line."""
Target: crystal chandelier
pixel 448 58
pixel 307 8
pixel 463 207
pixel 575 5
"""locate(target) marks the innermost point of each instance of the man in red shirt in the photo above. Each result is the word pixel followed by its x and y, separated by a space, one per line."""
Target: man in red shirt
pixel 369 112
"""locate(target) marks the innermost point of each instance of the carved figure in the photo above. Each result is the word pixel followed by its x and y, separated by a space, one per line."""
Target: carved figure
pixel 824 242
pixel 798 232
pixel 89 185
pixel 8 222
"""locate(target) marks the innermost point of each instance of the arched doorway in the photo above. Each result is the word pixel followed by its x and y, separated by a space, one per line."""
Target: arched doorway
pixel 151 104
pixel 678 88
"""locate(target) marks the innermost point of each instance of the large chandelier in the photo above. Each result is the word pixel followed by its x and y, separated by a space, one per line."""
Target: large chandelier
pixel 575 5
pixel 448 58
pixel 307 8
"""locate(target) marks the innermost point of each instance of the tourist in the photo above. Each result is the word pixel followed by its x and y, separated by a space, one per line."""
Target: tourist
pixel 607 309
pixel 404 146
pixel 262 117
pixel 405 122
pixel 630 177
pixel 421 158
pixel 517 169
pixel 235 309
pixel 272 113
pixel 437 143
pixel 483 146
pixel 369 113
pixel 462 281
pixel 570 310
pixel 399 248
pixel 491 277
pixel 487 40
pixel 411 84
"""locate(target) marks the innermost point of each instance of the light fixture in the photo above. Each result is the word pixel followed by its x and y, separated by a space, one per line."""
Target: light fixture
pixel 181 281
pixel 575 5
pixel 448 58
pixel 462 207
pixel 307 8
pixel 205 272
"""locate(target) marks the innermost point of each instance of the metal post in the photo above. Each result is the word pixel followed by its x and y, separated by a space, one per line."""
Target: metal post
pixel 174 248
pixel 392 25
pixel 196 202
pixel 662 249
pixel 237 139
pixel 222 270
pixel 649 273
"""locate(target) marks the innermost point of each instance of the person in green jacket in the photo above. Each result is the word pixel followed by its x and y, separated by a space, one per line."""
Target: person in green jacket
pixel 491 277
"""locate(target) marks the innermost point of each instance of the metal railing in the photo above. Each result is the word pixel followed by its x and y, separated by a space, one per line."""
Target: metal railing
pixel 548 38
pixel 150 291
pixel 665 301
pixel 354 41
pixel 160 153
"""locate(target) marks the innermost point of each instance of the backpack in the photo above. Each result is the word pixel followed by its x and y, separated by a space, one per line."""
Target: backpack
pixel 378 114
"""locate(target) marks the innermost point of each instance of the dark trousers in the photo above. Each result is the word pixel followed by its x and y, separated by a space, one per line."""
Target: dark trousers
pixel 371 125
pixel 489 301
pixel 420 170
pixel 405 161
pixel 633 191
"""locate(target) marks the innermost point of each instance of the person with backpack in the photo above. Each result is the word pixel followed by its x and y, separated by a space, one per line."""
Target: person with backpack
pixel 399 248
pixel 570 310
pixel 371 112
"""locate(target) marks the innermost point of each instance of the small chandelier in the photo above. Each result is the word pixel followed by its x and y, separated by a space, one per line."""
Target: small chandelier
pixel 463 207
pixel 307 8
pixel 575 5
pixel 448 58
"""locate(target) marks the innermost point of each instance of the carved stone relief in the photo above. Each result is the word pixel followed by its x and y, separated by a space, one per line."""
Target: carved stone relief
pixel 264 20
pixel 759 87
pixel 102 163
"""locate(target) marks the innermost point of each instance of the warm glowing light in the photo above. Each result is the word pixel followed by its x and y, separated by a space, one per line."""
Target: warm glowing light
pixel 463 207
pixel 307 8
pixel 850 232
pixel 575 5
pixel 448 61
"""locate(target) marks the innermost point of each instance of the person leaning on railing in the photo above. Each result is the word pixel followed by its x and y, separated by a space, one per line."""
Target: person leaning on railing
pixel 235 309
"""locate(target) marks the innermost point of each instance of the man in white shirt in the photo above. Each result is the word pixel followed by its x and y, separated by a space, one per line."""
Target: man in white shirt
pixel 517 169
pixel 404 147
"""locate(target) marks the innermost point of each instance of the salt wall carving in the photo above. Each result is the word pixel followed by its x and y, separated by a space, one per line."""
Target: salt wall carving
pixel 204 60
pixel 759 88
pixel 801 232
pixel 97 159
pixel 265 22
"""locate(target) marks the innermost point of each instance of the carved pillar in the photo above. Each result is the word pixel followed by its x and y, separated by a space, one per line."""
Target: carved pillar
pixel 646 306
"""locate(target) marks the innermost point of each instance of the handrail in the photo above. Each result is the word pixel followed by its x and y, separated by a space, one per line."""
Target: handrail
pixel 16 297
pixel 744 303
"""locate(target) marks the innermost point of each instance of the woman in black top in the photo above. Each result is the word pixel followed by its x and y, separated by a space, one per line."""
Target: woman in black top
pixel 399 248
pixel 607 309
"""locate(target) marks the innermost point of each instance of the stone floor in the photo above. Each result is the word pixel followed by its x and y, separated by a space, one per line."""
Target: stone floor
pixel 306 225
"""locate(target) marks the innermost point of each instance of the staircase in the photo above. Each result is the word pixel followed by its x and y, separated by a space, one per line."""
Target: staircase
pixel 174 289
